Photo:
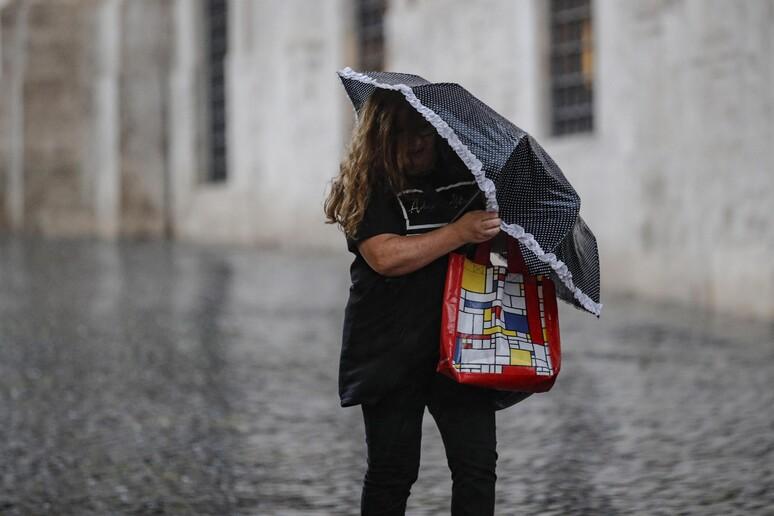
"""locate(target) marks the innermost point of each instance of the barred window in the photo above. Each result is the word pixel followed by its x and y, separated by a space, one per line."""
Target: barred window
pixel 369 23
pixel 216 33
pixel 571 67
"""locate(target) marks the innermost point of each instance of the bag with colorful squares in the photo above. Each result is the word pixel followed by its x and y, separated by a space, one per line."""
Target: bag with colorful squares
pixel 500 326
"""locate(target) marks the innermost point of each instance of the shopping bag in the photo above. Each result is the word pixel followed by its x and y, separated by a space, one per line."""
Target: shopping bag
pixel 500 326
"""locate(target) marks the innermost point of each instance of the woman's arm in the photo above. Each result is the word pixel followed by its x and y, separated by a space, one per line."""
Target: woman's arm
pixel 394 255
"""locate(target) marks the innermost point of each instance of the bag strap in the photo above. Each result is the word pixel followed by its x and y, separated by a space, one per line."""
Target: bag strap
pixel 515 258
pixel 481 255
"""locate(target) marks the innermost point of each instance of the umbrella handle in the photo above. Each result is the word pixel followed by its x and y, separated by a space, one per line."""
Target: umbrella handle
pixel 467 205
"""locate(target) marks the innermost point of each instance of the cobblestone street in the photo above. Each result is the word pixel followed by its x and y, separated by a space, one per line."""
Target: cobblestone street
pixel 168 378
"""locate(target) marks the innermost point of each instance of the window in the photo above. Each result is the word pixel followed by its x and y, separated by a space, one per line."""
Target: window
pixel 216 33
pixel 369 17
pixel 571 67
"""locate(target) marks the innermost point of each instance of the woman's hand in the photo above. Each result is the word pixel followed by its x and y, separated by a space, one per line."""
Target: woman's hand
pixel 477 226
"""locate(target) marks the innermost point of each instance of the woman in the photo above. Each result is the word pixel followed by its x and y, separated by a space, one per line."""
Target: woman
pixel 398 188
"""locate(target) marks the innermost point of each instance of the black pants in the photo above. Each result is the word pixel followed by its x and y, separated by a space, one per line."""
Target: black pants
pixel 466 420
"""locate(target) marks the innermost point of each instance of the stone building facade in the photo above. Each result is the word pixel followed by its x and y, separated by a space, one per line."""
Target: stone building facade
pixel 106 113
pixel 113 114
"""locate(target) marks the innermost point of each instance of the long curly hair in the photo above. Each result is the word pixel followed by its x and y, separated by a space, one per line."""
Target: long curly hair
pixel 372 157
pixel 376 156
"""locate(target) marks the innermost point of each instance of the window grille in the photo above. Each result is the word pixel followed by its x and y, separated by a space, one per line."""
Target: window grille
pixel 369 23
pixel 216 31
pixel 571 67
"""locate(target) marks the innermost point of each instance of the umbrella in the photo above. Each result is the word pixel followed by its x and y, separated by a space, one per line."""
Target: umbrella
pixel 536 203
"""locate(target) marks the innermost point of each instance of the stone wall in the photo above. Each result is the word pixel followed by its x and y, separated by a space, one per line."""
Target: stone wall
pixel 146 47
pixel 677 179
pixel 102 110
pixel 288 114
pixel 8 111
pixel 83 117
pixel 46 92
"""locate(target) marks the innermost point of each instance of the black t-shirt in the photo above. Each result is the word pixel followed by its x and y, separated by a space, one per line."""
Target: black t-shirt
pixel 392 324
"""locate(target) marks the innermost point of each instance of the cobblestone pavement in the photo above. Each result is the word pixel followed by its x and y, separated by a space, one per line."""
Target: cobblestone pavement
pixel 158 378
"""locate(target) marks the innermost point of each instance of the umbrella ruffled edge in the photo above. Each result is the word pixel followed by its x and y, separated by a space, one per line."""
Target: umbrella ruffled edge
pixel 485 184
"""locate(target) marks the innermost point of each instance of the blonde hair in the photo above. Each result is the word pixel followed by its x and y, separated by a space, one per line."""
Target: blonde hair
pixel 376 156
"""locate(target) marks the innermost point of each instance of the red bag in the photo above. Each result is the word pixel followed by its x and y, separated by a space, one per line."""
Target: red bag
pixel 500 326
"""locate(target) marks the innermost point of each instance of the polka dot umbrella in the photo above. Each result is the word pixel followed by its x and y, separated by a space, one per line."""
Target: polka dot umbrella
pixel 536 203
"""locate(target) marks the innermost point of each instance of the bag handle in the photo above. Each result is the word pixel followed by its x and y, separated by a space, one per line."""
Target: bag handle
pixel 515 258
pixel 481 255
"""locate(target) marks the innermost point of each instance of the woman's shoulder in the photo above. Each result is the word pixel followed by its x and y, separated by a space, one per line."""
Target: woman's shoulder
pixel 382 194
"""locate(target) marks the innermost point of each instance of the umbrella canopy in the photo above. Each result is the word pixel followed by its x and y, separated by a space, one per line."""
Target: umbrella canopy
pixel 536 203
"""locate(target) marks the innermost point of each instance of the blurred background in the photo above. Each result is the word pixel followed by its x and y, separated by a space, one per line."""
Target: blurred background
pixel 224 120
pixel 173 299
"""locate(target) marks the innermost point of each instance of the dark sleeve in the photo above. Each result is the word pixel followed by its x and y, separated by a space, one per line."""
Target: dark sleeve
pixel 382 214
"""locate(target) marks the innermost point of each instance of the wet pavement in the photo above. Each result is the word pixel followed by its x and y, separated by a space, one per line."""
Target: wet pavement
pixel 160 378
